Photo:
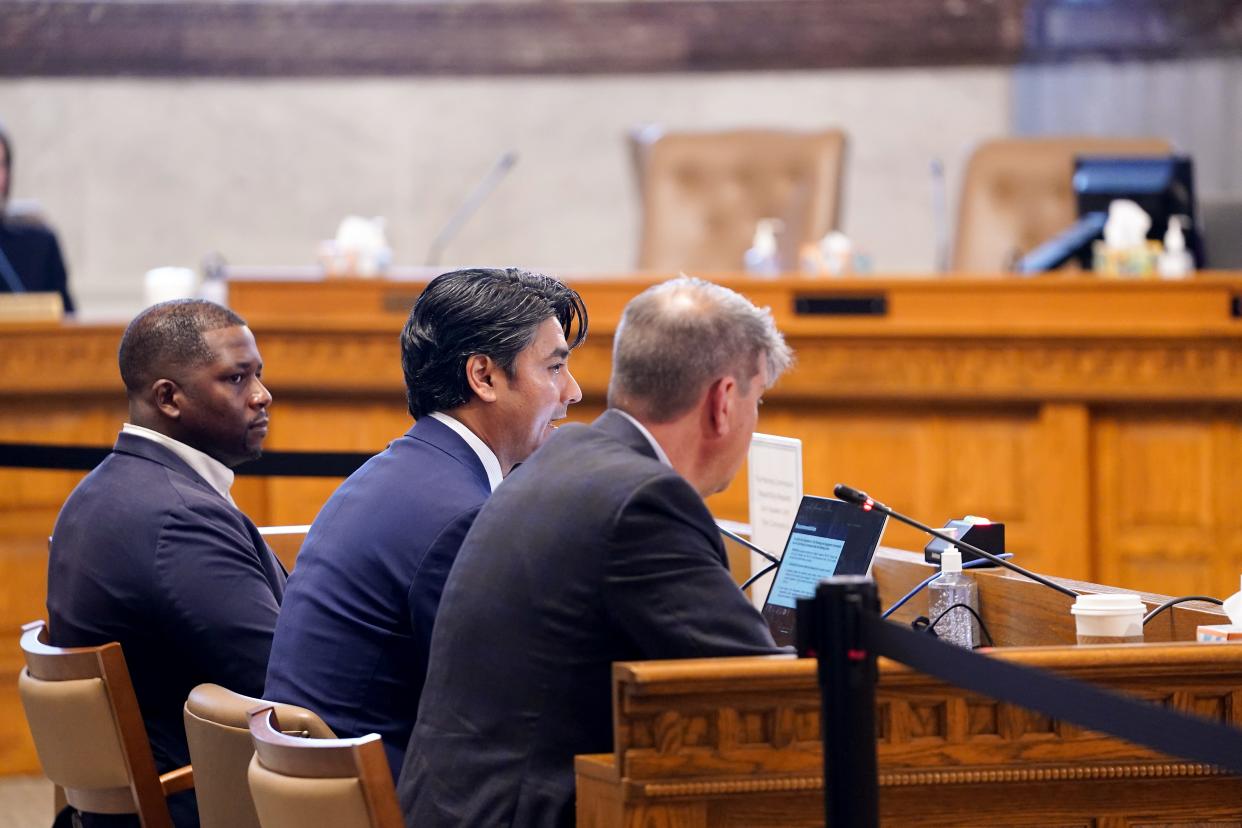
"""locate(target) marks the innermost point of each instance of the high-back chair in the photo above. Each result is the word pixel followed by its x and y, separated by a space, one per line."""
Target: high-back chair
pixel 345 783
pixel 703 193
pixel 1017 194
pixel 88 730
pixel 217 729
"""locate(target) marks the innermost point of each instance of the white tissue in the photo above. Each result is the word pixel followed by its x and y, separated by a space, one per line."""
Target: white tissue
pixel 1127 225
pixel 361 242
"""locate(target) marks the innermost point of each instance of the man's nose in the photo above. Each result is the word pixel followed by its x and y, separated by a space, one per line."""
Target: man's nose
pixel 261 397
pixel 573 392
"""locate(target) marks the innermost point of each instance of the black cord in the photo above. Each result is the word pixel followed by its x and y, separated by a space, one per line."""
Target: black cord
pixel 757 576
pixel 921 623
pixel 1174 601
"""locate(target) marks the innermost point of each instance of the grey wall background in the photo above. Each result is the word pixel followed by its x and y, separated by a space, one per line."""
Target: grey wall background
pixel 139 173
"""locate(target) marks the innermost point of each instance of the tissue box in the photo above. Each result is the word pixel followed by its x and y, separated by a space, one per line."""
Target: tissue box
pixel 1219 632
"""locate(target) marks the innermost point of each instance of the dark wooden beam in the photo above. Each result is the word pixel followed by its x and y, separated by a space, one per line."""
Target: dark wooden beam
pixel 287 38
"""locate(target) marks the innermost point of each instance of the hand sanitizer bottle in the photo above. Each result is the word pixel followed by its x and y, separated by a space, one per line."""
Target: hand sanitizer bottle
pixel 954 587
pixel 1175 262
pixel 761 259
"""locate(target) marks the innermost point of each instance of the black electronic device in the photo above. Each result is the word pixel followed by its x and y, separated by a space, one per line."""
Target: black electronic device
pixel 829 537
pixel 1162 185
pixel 984 534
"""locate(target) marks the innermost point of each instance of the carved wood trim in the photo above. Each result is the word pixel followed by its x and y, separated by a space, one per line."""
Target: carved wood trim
pixel 1163 770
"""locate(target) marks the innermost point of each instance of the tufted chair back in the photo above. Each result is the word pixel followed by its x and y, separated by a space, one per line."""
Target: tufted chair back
pixel 1017 194
pixel 703 192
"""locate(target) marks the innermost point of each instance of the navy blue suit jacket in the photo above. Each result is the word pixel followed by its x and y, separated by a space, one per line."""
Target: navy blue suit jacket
pixel 593 551
pixel 352 639
pixel 146 553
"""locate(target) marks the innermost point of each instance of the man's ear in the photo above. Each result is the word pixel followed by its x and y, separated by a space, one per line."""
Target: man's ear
pixel 481 373
pixel 720 402
pixel 165 394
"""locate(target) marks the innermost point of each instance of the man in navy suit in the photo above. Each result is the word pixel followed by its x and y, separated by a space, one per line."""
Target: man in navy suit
pixel 598 549
pixel 150 550
pixel 485 354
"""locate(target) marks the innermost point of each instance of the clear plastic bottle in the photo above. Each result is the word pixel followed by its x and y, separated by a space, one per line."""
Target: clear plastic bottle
pixel 762 259
pixel 954 587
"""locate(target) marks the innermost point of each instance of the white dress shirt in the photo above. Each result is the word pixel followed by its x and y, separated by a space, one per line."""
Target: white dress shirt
pixel 486 456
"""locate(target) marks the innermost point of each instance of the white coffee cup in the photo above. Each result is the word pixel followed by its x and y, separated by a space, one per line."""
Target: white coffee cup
pixel 1109 618
pixel 165 283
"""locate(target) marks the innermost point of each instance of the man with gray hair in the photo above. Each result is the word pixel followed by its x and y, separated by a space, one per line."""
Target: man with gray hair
pixel 598 549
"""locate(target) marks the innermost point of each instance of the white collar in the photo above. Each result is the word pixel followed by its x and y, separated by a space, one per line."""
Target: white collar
pixel 655 444
pixel 217 475
pixel 486 456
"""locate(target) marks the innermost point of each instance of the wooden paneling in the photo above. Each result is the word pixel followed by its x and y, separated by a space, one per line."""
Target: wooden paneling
pixel 1102 421
pixel 396 37
pixel 737 741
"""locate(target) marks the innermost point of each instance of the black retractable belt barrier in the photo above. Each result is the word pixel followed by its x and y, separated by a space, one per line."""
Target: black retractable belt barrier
pixel 271 464
pixel 842 628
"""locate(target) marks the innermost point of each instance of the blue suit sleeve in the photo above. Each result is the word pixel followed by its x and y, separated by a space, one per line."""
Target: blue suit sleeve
pixel 219 596
pixel 667 583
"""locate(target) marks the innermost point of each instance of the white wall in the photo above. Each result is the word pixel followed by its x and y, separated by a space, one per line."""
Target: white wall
pixel 139 173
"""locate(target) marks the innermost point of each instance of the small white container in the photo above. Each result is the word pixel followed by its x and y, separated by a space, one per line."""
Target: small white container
pixel 1109 618
pixel 164 284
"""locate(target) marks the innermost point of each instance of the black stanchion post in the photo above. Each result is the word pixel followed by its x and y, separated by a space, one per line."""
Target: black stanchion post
pixel 847 679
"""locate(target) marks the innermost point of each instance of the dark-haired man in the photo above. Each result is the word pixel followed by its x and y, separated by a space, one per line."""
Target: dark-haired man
pixel 485 354
pixel 150 550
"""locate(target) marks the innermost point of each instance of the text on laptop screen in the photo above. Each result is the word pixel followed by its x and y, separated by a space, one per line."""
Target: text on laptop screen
pixel 809 559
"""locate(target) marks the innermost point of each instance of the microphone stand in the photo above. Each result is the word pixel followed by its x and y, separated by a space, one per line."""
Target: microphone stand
pixel 736 538
pixel 867 503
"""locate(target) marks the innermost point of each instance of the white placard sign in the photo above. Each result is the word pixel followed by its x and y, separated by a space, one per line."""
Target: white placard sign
pixel 775 477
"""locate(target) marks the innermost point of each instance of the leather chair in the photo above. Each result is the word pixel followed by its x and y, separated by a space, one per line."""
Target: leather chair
pixel 88 730
pixel 1017 194
pixel 345 783
pixel 703 192
pixel 218 731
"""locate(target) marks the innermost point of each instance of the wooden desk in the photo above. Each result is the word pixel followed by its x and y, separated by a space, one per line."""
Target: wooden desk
pixel 1100 420
pixel 736 742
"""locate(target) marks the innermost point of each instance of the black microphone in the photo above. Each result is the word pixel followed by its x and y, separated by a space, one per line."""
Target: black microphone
pixel 739 539
pixel 472 203
pixel 867 503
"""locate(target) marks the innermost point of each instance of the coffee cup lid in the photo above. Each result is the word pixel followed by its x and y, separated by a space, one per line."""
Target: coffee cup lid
pixel 1107 603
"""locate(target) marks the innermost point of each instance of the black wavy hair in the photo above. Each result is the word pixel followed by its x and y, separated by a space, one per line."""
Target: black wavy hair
pixel 490 311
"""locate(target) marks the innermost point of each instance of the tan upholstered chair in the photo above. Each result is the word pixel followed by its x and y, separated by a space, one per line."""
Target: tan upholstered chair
pixel 703 192
pixel 88 731
pixel 1017 194
pixel 345 783
pixel 218 730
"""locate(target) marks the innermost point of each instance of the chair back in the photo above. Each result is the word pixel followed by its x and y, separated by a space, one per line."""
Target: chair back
pixel 1017 194
pixel 87 728
pixel 297 782
pixel 703 193
pixel 218 732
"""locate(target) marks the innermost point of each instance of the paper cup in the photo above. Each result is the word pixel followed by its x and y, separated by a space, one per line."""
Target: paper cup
pixel 165 283
pixel 1111 618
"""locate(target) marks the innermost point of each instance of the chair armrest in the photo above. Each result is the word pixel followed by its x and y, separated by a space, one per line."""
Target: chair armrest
pixel 176 781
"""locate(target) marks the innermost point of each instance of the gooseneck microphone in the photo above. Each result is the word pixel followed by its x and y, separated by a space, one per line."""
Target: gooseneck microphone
pixel 852 495
pixel 472 203
pixel 739 539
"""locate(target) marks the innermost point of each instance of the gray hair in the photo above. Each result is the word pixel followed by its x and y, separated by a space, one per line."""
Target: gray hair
pixel 676 338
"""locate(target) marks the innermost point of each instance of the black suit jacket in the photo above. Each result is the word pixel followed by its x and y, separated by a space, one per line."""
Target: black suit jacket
pixel 592 552
pixel 146 553
pixel 33 252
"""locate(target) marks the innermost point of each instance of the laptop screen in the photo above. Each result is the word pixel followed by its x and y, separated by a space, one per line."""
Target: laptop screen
pixel 829 537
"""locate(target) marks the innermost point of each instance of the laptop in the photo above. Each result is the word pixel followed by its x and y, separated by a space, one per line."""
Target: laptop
pixel 829 537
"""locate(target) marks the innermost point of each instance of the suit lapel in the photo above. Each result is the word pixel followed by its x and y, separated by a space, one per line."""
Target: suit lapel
pixel 150 450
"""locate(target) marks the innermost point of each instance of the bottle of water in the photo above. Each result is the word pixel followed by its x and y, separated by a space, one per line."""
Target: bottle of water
pixel 954 587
